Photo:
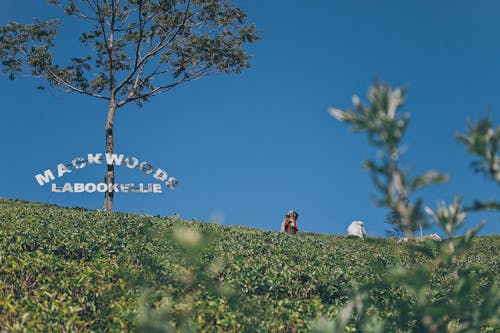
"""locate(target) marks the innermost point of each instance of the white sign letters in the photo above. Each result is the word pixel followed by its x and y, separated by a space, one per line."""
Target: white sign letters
pixel 78 163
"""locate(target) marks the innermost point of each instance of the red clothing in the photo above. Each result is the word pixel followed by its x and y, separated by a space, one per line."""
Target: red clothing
pixel 290 225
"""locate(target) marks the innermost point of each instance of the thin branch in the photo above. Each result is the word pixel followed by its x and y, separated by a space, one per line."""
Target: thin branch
pixel 162 89
pixel 102 24
pixel 137 55
pixel 89 4
pixel 153 92
pixel 72 88
pixel 159 47
pixel 136 84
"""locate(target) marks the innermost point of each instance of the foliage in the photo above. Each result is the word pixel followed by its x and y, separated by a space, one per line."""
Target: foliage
pixel 78 270
pixel 132 50
pixel 483 141
pixel 385 127
pixel 468 303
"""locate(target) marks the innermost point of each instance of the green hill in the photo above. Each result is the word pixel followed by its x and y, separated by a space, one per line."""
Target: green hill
pixel 71 269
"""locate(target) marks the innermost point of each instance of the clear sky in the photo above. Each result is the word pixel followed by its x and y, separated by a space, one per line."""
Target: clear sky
pixel 247 148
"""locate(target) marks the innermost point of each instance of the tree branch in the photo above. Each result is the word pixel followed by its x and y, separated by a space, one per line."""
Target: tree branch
pixel 190 76
pixel 61 81
pixel 102 25
pixel 151 53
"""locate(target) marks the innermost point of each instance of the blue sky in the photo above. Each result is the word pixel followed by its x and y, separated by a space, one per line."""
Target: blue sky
pixel 247 148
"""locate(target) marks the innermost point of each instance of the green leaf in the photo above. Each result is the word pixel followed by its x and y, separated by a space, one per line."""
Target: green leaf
pixel 429 178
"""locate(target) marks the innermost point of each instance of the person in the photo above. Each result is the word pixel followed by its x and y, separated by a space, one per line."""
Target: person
pixel 356 229
pixel 289 224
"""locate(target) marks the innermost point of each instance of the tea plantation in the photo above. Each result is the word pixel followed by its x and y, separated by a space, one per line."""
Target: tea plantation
pixel 75 270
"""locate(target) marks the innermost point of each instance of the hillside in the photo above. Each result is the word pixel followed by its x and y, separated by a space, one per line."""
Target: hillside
pixel 65 269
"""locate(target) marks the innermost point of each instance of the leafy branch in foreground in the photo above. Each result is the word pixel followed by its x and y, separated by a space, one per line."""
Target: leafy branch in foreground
pixel 471 302
pixel 483 141
pixel 385 126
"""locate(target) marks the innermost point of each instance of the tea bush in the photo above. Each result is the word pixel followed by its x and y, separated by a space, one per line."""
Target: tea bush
pixel 75 270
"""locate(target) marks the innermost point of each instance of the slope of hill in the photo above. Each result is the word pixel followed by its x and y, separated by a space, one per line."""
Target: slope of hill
pixel 71 269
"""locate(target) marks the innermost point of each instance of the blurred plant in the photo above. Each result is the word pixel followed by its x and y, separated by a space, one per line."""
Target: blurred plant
pixel 472 301
pixel 483 141
pixel 195 277
pixel 386 126
pixel 355 316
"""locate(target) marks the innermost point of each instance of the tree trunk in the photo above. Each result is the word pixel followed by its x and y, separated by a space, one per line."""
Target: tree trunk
pixel 109 179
